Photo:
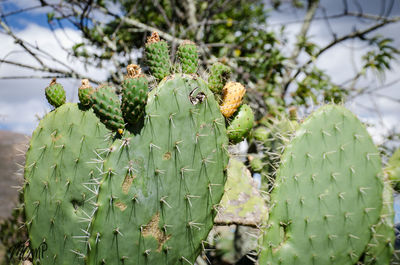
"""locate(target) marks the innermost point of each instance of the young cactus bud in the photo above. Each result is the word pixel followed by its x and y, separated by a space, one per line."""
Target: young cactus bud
pixel 134 95
pixel 157 56
pixel 241 124
pixel 219 75
pixel 85 93
pixel 55 94
pixel 107 107
pixel 233 93
pixel 188 56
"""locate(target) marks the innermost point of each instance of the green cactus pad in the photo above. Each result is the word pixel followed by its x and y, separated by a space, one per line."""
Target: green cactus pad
pixel 327 195
pixel 241 124
pixel 219 75
pixel 380 248
pixel 157 55
pixel 134 97
pixel 189 57
pixel 55 94
pixel 85 94
pixel 107 107
pixel 160 188
pixel 58 177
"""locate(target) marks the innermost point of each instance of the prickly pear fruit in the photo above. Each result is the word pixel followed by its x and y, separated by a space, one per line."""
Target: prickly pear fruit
pixel 233 93
pixel 107 107
pixel 188 56
pixel 219 75
pixel 158 56
pixel 55 94
pixel 58 177
pixel 327 194
pixel 241 124
pixel 134 96
pixel 85 93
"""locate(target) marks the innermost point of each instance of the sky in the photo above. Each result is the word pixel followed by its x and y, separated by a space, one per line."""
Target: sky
pixel 22 101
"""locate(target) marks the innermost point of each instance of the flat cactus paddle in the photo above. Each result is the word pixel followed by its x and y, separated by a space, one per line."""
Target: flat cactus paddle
pixel 160 188
pixel 58 180
pixel 327 195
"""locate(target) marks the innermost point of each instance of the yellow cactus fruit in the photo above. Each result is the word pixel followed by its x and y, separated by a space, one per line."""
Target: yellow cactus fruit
pixel 233 93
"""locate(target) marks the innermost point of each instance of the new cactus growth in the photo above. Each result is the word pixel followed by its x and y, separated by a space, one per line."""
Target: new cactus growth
pixel 189 57
pixel 219 75
pixel 134 96
pixel 85 94
pixel 327 195
pixel 107 107
pixel 55 94
pixel 241 124
pixel 157 56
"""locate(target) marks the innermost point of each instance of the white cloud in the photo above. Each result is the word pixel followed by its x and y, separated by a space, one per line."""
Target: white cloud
pixel 21 99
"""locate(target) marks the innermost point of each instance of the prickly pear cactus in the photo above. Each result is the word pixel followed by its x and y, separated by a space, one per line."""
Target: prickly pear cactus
pixel 148 194
pixel 327 195
pixel 59 175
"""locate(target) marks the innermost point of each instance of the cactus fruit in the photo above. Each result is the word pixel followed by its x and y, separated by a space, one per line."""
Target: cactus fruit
pixel 327 195
pixel 58 177
pixel 107 107
pixel 85 94
pixel 157 56
pixel 134 96
pixel 188 56
pixel 241 124
pixel 233 93
pixel 219 75
pixel 55 94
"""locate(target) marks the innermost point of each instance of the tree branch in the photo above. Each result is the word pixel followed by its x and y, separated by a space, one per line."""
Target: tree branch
pixel 353 35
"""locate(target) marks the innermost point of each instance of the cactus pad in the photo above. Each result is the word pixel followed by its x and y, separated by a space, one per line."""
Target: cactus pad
pixel 55 94
pixel 58 178
pixel 156 200
pixel 327 195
